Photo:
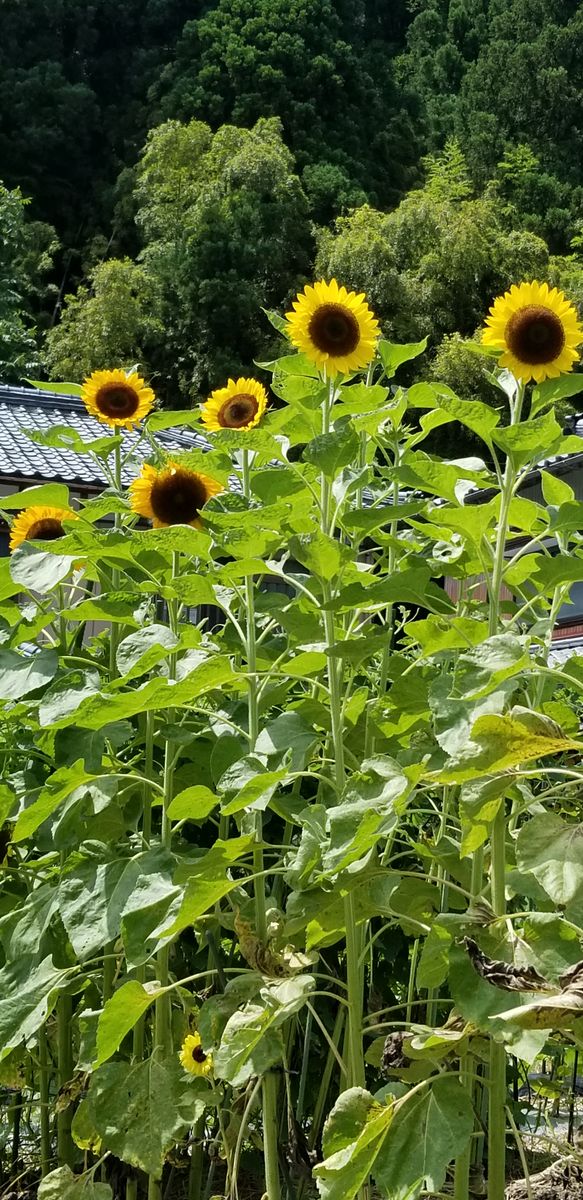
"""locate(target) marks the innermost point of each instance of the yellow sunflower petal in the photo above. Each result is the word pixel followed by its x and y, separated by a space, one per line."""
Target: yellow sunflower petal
pixel 239 405
pixel 536 329
pixel 118 398
pixel 173 495
pixel 39 523
pixel 333 327
pixel 193 1057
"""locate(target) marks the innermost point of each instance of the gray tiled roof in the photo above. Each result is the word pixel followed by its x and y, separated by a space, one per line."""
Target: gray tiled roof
pixel 21 458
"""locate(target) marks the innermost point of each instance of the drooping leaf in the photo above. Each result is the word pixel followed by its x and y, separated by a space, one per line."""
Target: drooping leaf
pixel 523 442
pixel 140 651
pixel 120 1014
pixel 393 355
pixel 353 1135
pixel 63 437
pixel 428 1130
pixel 552 850
pixel 40 570
pixel 321 554
pixel 208 881
pixel 54 495
pixel 251 1042
pixel 62 1184
pixel 329 452
pixel 475 415
pixel 27 993
pixel 106 892
pixel 137 1109
pixel 156 695
pixel 56 789
pixel 193 804
pixel 65 695
pixel 120 607
pixel 21 674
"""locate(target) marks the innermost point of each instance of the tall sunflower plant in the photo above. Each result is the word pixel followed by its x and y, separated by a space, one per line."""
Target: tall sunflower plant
pixel 290 781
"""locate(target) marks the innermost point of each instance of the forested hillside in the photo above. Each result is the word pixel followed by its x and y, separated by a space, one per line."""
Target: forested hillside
pixel 184 160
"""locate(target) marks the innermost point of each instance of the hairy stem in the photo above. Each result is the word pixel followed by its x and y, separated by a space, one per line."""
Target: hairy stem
pixel 270 1082
pixel 497 1093
pixel 45 1123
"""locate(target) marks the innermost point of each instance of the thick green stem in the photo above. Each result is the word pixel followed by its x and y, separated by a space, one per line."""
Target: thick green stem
pixel 140 1027
pixel 270 1082
pixel 412 978
pixel 497 1094
pixel 354 971
pixel 270 1088
pixel 45 1120
pixel 196 1161
pixel 66 1148
pixel 497 1081
pixel 355 982
pixel 463 1161
pixel 108 970
pixel 154 1189
pixel 331 1062
pixel 163 1008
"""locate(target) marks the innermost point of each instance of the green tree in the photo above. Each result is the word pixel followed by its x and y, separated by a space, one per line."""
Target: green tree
pixel 323 68
pixel 109 323
pixel 505 78
pixel 26 251
pixel 225 230
pixel 443 253
pixel 74 80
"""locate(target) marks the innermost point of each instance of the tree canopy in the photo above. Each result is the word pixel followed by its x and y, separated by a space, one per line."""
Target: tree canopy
pixel 200 158
pixel 225 229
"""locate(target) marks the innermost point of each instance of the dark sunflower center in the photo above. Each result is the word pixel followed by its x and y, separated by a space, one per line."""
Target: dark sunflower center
pixel 238 411
pixel 535 334
pixel 334 329
pixel 198 1055
pixel 117 400
pixel 46 530
pixel 177 499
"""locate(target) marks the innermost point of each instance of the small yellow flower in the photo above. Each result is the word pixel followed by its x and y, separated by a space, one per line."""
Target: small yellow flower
pixel 39 524
pixel 537 330
pixel 193 1058
pixel 118 398
pixel 239 405
pixel 334 328
pixel 172 496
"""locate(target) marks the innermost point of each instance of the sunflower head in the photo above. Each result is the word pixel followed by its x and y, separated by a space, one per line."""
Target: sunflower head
pixel 537 330
pixel 39 524
pixel 117 398
pixel 334 328
pixel 239 405
pixel 172 496
pixel 193 1058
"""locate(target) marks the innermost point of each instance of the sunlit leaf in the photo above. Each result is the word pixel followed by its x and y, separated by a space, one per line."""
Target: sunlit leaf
pixel 120 1014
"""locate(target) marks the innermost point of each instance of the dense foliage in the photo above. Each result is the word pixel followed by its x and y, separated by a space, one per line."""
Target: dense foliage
pixel 362 94
pixel 290 889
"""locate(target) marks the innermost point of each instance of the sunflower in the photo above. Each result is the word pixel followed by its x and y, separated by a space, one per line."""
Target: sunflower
pixel 537 330
pixel 334 328
pixel 193 1058
pixel 239 405
pixel 39 524
pixel 172 496
pixel 118 398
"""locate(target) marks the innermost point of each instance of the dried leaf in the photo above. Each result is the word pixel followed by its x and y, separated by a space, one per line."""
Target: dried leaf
pixel 504 975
